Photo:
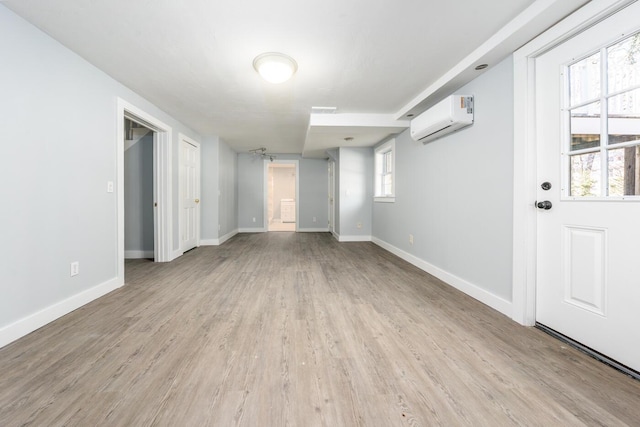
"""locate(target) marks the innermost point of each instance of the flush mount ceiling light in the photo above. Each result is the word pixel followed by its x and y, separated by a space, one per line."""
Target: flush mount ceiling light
pixel 275 67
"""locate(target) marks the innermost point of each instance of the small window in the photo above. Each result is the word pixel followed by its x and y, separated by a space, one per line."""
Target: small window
pixel 602 148
pixel 385 158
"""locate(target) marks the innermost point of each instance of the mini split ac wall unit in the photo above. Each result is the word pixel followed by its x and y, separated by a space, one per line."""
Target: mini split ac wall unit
pixel 448 115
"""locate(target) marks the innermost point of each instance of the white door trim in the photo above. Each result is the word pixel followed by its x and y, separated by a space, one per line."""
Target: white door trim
pixel 525 149
pixel 162 182
pixel 182 137
pixel 332 196
pixel 266 190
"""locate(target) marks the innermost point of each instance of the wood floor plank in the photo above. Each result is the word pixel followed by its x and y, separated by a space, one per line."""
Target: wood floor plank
pixel 288 329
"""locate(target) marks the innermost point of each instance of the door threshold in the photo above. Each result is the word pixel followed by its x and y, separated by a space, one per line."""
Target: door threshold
pixel 590 352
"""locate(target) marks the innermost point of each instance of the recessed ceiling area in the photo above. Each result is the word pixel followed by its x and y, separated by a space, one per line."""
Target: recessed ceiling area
pixel 194 59
pixel 329 131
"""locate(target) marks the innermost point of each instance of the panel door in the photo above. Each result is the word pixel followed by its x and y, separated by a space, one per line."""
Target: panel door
pixel 588 165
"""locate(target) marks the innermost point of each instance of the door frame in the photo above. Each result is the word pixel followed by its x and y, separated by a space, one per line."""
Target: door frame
pixel 265 215
pixel 332 196
pixel 525 149
pixel 183 138
pixel 162 183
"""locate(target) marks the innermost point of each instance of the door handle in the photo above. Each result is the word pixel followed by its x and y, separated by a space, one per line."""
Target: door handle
pixel 197 200
pixel 546 205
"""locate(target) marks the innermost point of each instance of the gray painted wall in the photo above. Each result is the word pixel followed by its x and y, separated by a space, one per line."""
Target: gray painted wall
pixel 313 201
pixel 209 171
pixel 219 189
pixel 454 194
pixel 59 138
pixel 314 194
pixel 250 192
pixel 228 186
pixel 138 195
pixel 355 191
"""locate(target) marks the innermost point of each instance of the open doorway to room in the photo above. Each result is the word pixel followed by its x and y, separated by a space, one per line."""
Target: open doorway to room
pixel 138 191
pixel 282 196
pixel 161 203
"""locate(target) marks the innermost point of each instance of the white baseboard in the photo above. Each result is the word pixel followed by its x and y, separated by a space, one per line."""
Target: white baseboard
pixel 342 238
pixel 37 320
pixel 497 303
pixel 313 230
pixel 252 230
pixel 227 236
pixel 221 240
pixel 139 254
pixel 336 235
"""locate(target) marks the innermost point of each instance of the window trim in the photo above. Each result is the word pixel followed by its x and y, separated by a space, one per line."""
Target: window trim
pixel 379 152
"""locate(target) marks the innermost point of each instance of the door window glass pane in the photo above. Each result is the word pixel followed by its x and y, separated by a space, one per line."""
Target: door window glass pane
pixel 584 79
pixel 623 64
pixel 624 117
pixel 585 126
pixel 623 171
pixel 585 174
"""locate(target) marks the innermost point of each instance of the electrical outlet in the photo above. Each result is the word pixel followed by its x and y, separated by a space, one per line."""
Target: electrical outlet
pixel 411 239
pixel 359 225
pixel 75 268
pixel 219 227
pixel 314 219
pixel 254 219
pixel 109 186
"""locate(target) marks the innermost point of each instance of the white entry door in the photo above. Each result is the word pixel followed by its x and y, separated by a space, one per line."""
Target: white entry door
pixel 588 169
pixel 189 194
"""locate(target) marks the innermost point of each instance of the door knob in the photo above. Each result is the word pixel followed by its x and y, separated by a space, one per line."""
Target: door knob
pixel 197 200
pixel 546 205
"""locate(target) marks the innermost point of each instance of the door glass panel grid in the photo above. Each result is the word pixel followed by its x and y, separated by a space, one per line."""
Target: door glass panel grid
pixel 602 158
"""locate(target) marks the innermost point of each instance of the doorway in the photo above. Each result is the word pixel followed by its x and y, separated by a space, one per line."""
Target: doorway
pixel 332 192
pixel 282 195
pixel 162 184
pixel 138 191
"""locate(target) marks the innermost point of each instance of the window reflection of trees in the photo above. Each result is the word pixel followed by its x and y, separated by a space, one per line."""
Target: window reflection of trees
pixel 619 149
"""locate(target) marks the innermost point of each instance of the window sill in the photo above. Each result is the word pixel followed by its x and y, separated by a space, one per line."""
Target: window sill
pixel 384 199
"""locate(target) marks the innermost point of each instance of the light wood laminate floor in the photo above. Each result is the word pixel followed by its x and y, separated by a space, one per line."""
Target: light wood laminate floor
pixel 286 329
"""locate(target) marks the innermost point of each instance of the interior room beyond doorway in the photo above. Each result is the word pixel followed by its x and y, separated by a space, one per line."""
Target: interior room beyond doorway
pixel 281 197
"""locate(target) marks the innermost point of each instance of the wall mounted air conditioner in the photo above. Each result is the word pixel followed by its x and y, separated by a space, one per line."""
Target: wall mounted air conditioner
pixel 448 115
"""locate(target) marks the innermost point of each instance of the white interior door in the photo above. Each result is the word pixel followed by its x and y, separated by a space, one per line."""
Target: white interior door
pixel 588 134
pixel 189 194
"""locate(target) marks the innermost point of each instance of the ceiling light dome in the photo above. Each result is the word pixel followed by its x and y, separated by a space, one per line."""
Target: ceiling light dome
pixel 275 67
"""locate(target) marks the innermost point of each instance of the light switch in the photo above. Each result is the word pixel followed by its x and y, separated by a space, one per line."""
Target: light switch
pixel 109 186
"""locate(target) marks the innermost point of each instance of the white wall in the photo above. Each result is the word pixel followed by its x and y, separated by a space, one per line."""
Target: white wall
pixel 455 196
pixel 59 138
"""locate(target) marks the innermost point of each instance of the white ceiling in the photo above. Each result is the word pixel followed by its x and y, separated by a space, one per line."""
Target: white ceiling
pixel 193 58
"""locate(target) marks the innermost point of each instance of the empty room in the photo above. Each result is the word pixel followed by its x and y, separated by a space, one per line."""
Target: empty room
pixel 345 213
